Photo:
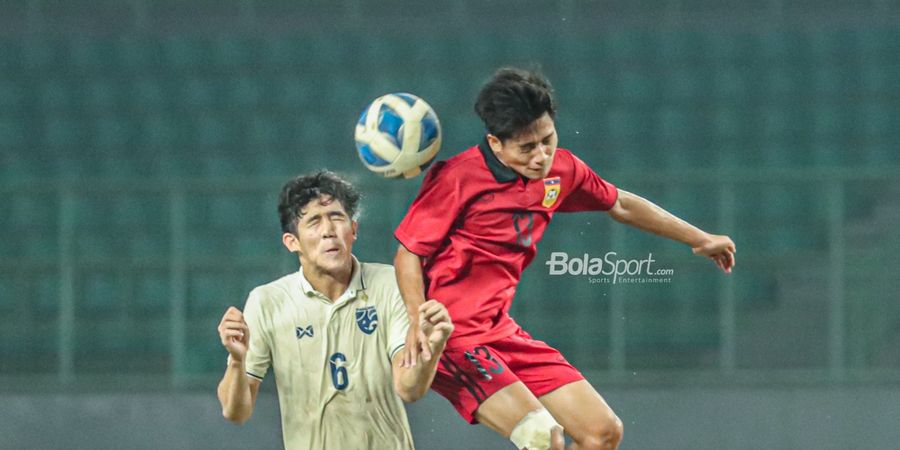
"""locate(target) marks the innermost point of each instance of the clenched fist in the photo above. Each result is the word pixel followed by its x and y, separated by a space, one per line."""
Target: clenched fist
pixel 234 334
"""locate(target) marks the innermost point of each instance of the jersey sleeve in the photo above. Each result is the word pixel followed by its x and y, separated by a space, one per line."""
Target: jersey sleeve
pixel 259 354
pixel 589 192
pixel 433 213
pixel 398 322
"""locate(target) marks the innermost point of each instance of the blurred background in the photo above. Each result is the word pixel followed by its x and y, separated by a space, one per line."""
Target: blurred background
pixel 143 144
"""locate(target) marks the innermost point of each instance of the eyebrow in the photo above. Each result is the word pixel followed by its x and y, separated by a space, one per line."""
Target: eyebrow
pixel 328 213
pixel 534 143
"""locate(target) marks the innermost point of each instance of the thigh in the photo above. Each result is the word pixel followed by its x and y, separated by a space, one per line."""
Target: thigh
pixel 503 410
pixel 580 409
pixel 469 377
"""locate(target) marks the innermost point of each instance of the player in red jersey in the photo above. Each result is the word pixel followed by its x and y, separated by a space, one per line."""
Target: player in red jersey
pixel 467 238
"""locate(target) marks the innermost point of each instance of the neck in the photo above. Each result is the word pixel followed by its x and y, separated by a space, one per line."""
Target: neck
pixel 332 284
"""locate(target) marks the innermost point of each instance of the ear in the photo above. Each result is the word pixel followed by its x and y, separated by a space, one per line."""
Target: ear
pixel 290 242
pixel 495 143
pixel 355 226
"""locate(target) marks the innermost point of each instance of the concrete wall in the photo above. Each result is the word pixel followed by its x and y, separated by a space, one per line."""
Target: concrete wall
pixel 655 418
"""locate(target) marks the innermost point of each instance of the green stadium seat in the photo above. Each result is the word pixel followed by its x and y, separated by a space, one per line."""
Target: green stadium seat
pixel 294 92
pixel 137 55
pixel 246 93
pixel 45 303
pixel 235 51
pixel 686 84
pixel 832 46
pixel 637 86
pixel 737 49
pixel 90 55
pixel 677 47
pixel 57 95
pixel 264 132
pixel 12 290
pixel 12 133
pixel 151 93
pixel 63 132
pixel 43 56
pixel 204 354
pixel 152 294
pixel 282 52
pixel 213 130
pixel 101 295
pixel 828 81
pixel 183 54
pixel 11 95
pixel 10 56
pixel 101 95
pixel 162 131
pixel 631 44
pixel 210 294
pixel 730 83
pixel 114 134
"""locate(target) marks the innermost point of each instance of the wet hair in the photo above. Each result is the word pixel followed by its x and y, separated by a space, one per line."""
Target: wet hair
pixel 512 100
pixel 298 192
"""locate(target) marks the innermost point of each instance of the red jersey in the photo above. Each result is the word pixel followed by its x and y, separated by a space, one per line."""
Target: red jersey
pixel 476 224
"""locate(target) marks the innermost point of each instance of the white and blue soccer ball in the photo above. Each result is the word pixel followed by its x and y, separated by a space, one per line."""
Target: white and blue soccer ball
pixel 398 135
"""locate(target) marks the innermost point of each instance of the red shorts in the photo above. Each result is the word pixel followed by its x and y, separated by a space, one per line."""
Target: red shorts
pixel 467 377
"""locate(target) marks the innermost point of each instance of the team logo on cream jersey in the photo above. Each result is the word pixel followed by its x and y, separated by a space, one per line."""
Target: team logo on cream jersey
pixel 302 332
pixel 367 319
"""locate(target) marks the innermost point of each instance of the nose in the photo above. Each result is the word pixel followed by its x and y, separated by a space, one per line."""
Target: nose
pixel 542 154
pixel 328 228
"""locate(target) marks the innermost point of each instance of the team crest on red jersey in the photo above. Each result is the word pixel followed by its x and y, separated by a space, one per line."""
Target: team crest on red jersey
pixel 552 189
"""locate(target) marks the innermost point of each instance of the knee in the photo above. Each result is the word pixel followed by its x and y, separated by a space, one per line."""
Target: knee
pixel 604 435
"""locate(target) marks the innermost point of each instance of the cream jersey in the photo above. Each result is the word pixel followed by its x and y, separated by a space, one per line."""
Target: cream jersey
pixel 332 360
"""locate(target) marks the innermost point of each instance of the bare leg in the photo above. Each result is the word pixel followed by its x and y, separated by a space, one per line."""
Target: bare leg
pixel 586 417
pixel 503 410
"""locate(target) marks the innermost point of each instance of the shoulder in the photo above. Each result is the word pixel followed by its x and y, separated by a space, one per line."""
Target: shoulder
pixel 274 293
pixel 464 164
pixel 377 275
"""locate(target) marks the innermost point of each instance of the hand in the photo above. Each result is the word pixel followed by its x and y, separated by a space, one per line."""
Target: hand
pixel 435 323
pixel 414 339
pixel 720 249
pixel 234 334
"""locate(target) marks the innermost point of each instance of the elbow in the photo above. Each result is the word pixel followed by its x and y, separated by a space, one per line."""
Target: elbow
pixel 235 417
pixel 409 394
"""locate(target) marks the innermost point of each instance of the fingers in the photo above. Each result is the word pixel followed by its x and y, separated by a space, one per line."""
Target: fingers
pixel 411 352
pixel 433 312
pixel 426 349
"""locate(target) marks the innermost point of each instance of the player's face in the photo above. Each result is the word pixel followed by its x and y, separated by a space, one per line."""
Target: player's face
pixel 529 153
pixel 325 236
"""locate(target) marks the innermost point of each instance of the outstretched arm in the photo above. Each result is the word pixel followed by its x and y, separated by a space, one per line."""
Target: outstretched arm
pixel 638 212
pixel 410 280
pixel 412 382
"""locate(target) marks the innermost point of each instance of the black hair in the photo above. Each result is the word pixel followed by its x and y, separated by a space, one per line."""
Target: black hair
pixel 299 191
pixel 513 99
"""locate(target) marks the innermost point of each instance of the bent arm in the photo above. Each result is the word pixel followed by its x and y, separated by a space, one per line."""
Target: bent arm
pixel 634 210
pixel 410 280
pixel 411 382
pixel 237 392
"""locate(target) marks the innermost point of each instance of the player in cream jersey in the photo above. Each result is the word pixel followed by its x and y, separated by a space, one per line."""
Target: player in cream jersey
pixel 331 333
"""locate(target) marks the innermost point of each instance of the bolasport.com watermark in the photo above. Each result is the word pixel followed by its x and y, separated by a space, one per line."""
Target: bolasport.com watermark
pixel 609 269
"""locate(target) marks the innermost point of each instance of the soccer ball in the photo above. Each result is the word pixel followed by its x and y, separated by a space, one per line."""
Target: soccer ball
pixel 398 135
